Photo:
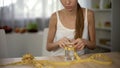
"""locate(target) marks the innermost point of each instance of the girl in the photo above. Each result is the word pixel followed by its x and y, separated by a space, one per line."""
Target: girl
pixel 73 24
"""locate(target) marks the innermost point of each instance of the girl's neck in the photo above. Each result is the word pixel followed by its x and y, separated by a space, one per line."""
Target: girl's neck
pixel 70 13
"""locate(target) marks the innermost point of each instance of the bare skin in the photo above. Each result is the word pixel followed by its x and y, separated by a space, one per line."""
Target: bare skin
pixel 68 18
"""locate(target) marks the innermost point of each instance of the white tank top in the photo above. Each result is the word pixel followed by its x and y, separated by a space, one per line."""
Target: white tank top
pixel 63 31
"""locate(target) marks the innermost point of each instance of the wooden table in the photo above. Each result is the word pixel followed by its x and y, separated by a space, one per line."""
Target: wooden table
pixel 115 56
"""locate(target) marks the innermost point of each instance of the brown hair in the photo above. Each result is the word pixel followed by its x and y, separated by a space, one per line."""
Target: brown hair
pixel 79 25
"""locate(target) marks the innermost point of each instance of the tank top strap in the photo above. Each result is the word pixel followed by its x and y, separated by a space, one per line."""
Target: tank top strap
pixel 58 18
pixel 86 16
pixel 85 30
pixel 86 12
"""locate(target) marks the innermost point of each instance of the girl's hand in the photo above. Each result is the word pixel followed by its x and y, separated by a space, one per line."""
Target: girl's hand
pixel 79 44
pixel 62 42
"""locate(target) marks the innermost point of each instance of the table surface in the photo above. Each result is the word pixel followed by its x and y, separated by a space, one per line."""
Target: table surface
pixel 115 56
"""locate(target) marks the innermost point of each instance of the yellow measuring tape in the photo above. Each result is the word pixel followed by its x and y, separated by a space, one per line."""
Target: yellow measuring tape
pixel 28 59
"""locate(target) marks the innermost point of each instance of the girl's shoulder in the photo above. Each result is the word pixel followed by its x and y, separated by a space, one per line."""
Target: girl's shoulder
pixel 54 15
pixel 53 18
pixel 90 13
pixel 88 10
pixel 60 11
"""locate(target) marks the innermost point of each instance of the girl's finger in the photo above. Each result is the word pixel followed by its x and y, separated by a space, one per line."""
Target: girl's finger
pixel 78 44
pixel 81 47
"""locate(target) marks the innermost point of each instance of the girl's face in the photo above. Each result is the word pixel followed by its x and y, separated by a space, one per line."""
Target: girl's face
pixel 69 4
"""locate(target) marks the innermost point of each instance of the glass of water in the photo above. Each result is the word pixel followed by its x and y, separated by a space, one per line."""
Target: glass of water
pixel 69 52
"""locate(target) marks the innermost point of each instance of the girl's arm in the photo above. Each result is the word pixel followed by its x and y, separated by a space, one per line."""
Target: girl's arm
pixel 51 33
pixel 91 44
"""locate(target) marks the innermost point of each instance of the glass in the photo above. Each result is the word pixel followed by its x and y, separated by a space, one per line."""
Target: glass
pixel 69 52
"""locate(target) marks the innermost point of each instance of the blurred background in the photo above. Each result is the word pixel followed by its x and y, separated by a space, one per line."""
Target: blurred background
pixel 19 13
pixel 26 24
